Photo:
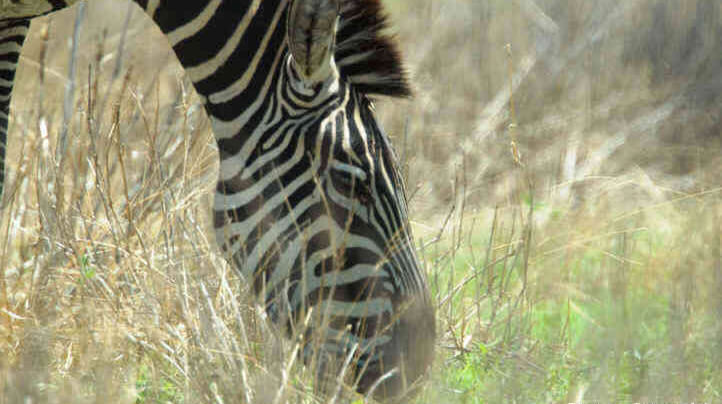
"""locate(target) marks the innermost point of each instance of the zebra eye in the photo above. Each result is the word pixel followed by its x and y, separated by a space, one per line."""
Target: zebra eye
pixel 351 181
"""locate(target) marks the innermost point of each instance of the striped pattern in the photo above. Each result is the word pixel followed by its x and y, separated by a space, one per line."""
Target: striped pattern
pixel 309 206
pixel 12 36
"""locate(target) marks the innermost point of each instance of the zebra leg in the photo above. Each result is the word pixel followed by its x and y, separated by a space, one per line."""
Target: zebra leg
pixel 12 36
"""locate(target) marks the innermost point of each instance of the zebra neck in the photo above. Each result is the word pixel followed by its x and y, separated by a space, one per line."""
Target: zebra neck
pixel 232 51
pixel 27 9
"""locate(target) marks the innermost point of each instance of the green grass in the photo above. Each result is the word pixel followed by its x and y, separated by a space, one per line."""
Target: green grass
pixel 600 318
pixel 156 388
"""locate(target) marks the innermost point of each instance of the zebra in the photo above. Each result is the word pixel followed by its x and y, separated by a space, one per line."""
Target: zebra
pixel 310 207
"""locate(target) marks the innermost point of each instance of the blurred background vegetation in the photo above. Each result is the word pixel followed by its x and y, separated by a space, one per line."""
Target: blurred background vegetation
pixel 564 165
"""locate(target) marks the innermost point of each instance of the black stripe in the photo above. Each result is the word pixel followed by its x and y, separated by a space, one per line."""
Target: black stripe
pixel 170 16
pixel 142 3
pixel 239 61
pixel 207 42
pixel 57 4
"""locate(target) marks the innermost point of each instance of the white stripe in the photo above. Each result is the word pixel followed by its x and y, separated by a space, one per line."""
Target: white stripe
pixel 364 308
pixel 16 30
pixel 9 47
pixel 349 169
pixel 339 277
pixel 233 201
pixel 243 229
pixel 247 171
pixel 270 237
pixel 25 8
pixel 339 342
pixel 347 275
pixel 7 65
pixel 152 7
pixel 200 72
pixel 277 116
pixel 236 165
pixel 364 343
pixel 339 238
pixel 206 69
pixel 321 96
pixel 228 129
pixel 191 27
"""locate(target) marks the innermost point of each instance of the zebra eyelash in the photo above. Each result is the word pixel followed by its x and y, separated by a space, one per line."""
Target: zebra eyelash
pixel 350 169
pixel 353 181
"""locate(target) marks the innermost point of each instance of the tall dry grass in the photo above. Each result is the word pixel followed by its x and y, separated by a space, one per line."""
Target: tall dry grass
pixel 112 286
pixel 614 108
pixel 570 227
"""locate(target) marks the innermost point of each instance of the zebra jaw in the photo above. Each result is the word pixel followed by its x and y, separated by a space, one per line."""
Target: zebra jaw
pixel 311 38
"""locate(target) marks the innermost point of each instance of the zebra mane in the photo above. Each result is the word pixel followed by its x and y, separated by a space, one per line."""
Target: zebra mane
pixel 367 57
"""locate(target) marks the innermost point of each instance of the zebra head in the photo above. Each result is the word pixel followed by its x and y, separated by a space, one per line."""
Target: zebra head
pixel 333 255
pixel 365 282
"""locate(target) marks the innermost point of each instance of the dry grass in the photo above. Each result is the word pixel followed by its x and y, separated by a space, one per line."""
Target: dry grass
pixel 582 263
pixel 115 290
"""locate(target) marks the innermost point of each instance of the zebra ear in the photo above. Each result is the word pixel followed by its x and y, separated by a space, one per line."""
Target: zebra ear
pixel 311 38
